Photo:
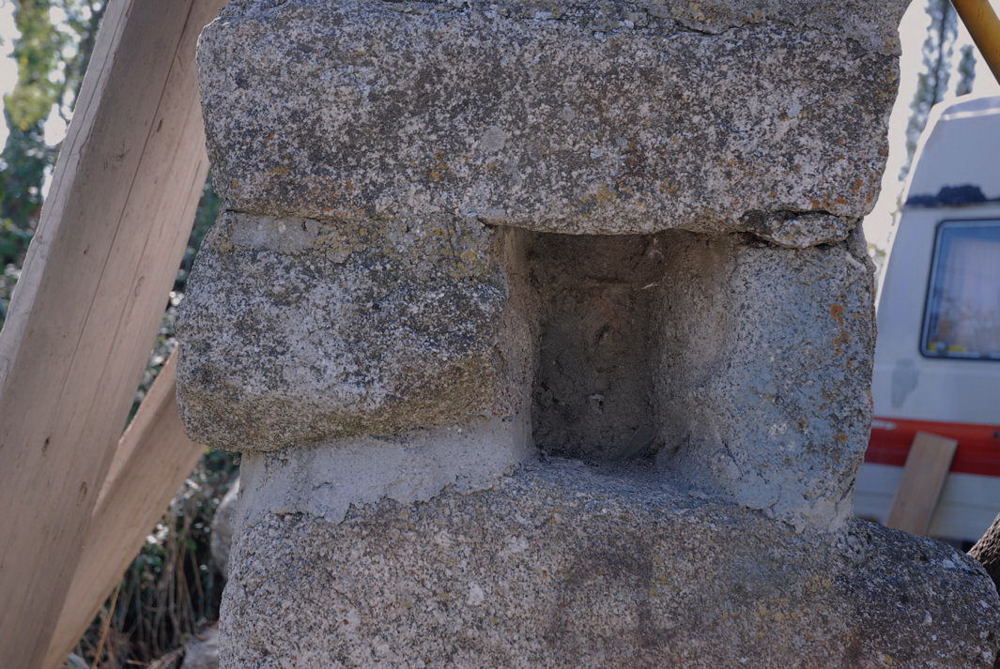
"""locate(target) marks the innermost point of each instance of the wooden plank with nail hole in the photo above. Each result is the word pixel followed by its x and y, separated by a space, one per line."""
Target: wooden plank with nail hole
pixel 89 300
pixel 153 458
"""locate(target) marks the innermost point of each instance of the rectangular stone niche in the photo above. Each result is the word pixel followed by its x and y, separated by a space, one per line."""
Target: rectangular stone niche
pixel 594 394
pixel 739 366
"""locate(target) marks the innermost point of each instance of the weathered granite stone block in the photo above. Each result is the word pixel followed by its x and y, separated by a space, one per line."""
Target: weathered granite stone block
pixel 297 330
pixel 564 565
pixel 465 240
pixel 596 117
pixel 765 368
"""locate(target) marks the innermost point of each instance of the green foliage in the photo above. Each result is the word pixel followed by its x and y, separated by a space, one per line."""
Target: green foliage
pixel 51 58
pixel 51 61
pixel 8 277
pixel 38 52
pixel 933 80
pixel 25 156
pixel 13 240
pixel 966 70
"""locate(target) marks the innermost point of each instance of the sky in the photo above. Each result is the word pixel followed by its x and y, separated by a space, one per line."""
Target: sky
pixel 878 224
pixel 8 68
pixel 912 29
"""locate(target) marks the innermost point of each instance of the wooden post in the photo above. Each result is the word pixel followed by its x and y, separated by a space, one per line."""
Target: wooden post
pixel 89 300
pixel 927 467
pixel 984 27
pixel 152 461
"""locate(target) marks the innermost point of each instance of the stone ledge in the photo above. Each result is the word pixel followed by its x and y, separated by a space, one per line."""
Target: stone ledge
pixel 562 565
pixel 549 125
pixel 870 23
pixel 328 479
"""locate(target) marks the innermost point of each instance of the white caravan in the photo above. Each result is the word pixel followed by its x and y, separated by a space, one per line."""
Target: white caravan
pixel 937 360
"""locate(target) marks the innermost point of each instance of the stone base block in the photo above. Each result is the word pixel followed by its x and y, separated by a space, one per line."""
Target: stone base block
pixel 565 565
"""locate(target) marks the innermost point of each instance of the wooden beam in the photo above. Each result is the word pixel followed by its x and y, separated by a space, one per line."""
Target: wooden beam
pixel 917 496
pixel 89 300
pixel 984 28
pixel 153 458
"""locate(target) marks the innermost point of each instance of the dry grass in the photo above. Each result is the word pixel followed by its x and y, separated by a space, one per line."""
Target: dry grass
pixel 172 589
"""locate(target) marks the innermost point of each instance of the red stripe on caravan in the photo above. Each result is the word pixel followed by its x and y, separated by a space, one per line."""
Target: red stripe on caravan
pixel 978 445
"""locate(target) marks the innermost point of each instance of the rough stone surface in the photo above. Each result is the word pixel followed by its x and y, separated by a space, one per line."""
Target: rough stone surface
pixel 743 367
pixel 594 395
pixel 459 234
pixel 764 372
pixel 297 330
pixel 987 551
pixel 873 24
pixel 203 651
pixel 562 565
pixel 223 525
pixel 326 480
pixel 595 117
pixel 799 230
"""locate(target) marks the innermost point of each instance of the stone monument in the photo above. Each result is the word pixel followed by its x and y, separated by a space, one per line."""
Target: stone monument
pixel 545 331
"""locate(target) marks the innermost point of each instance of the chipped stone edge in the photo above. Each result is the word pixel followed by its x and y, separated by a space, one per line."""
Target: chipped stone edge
pixel 887 46
pixel 799 229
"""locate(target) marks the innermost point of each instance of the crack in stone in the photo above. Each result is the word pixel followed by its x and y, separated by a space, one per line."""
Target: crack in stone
pixel 656 16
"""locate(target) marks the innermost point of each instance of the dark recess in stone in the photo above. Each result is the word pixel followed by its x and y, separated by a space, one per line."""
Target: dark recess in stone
pixel 593 394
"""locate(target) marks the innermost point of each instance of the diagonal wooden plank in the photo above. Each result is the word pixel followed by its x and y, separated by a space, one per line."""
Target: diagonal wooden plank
pixel 89 300
pixel 984 27
pixel 917 496
pixel 151 463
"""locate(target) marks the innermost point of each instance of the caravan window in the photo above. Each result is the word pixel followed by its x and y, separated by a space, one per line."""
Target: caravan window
pixel 962 316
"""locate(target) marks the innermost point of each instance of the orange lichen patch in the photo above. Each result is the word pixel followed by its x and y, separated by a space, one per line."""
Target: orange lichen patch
pixel 840 438
pixel 839 342
pixel 668 186
pixel 603 194
pixel 279 171
pixel 837 313
pixel 437 172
